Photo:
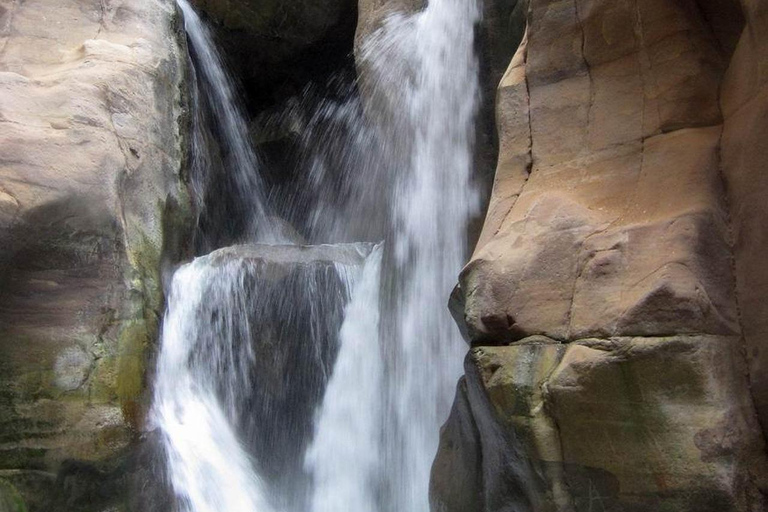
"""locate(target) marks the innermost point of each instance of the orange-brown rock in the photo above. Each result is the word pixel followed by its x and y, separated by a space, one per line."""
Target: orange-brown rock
pixel 626 230
pixel 585 206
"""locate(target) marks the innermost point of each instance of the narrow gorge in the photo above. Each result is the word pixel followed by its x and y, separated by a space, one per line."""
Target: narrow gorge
pixel 383 255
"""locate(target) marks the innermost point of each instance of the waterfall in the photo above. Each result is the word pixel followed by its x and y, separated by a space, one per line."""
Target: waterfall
pixel 215 107
pixel 345 456
pixel 210 471
pixel 248 344
pixel 430 79
pixel 315 378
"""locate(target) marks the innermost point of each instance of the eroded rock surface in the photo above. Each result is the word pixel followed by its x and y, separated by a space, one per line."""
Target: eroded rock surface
pixel 608 181
pixel 625 424
pixel 625 191
pixel 91 199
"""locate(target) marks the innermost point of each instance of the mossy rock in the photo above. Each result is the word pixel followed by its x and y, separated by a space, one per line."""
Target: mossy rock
pixel 10 499
pixel 136 338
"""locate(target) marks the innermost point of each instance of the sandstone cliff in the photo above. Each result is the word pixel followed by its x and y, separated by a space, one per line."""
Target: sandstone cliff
pixel 614 303
pixel 613 300
pixel 91 203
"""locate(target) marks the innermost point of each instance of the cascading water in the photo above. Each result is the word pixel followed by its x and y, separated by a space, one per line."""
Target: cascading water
pixel 292 383
pixel 345 456
pixel 216 108
pixel 432 205
pixel 210 471
pixel 249 339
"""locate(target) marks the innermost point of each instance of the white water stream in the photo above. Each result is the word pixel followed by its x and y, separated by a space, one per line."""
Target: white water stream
pixel 341 411
pixel 210 471
pixel 345 456
pixel 436 100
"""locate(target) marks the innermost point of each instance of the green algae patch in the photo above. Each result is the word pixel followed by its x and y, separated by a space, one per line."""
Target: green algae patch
pixel 10 498
pixel 103 381
pixel 135 339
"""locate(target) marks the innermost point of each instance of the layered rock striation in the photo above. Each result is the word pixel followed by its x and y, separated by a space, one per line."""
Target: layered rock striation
pixel 92 203
pixel 612 301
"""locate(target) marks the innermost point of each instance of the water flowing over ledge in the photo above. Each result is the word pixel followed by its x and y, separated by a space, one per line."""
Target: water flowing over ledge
pixel 297 378
pixel 224 329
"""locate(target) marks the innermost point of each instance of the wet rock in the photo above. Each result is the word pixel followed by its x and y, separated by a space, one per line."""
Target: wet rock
pixel 10 499
pixel 456 481
pixel 372 13
pixel 290 256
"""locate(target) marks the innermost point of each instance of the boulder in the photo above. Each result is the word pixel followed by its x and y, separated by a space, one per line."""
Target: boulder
pixel 91 202
pixel 292 256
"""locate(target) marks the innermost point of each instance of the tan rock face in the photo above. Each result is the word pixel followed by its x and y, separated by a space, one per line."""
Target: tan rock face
pixel 90 191
pixel 600 121
pixel 627 187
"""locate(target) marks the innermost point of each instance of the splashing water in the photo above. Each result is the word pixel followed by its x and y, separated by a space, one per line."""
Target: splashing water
pixel 210 471
pixel 216 107
pixel 249 339
pixel 345 456
pixel 435 100
pixel 355 427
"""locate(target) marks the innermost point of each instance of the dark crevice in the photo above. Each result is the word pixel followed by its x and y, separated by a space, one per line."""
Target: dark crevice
pixel 497 38
pixel 270 68
pixel 283 73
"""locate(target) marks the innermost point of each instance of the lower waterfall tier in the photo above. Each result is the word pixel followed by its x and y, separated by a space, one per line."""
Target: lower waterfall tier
pixel 249 343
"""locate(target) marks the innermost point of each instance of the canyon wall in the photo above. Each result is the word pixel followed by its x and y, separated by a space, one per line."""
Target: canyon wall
pixel 92 205
pixel 744 159
pixel 613 303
